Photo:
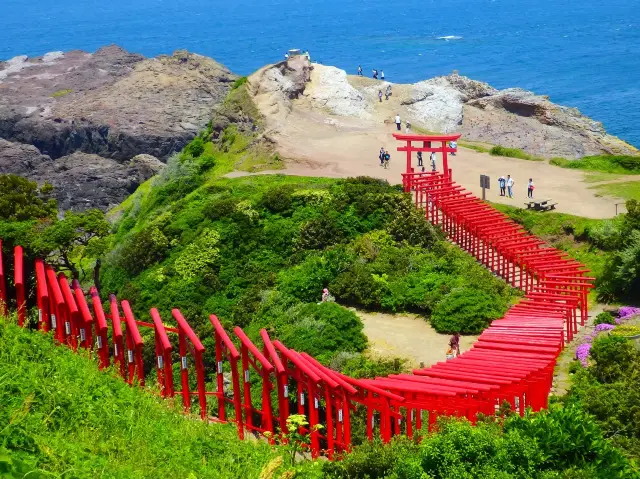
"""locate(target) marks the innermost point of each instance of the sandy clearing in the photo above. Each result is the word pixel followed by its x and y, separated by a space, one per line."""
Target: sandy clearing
pixel 407 336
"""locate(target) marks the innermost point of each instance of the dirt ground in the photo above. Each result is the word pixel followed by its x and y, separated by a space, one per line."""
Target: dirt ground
pixel 407 336
pixel 316 143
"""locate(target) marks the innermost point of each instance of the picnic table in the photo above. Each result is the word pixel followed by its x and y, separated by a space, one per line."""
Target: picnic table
pixel 541 205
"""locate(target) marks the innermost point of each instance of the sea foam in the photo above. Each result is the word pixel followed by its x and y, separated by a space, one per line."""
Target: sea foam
pixel 450 37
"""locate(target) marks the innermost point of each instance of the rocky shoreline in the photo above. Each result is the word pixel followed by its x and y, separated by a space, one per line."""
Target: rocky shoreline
pixel 80 120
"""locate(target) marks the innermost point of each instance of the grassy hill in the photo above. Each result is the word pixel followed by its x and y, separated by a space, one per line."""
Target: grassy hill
pixel 61 417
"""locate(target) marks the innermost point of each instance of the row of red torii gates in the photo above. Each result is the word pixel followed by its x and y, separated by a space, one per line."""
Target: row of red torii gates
pixel 513 359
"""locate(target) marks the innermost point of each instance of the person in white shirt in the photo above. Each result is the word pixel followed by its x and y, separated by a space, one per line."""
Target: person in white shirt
pixel 398 122
pixel 408 127
pixel 510 183
pixel 432 158
pixel 381 74
pixel 454 145
pixel 530 188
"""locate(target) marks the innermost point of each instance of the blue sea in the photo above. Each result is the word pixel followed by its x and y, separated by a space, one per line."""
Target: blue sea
pixel 582 53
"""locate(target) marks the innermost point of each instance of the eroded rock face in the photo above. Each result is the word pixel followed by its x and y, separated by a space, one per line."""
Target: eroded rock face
pixel 81 180
pixel 111 103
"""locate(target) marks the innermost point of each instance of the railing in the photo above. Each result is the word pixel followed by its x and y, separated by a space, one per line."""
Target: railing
pixel 512 360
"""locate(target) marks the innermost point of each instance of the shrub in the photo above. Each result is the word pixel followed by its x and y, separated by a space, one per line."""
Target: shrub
pixel 512 153
pixel 221 207
pixel 198 257
pixel 22 199
pixel 607 235
pixel 613 356
pixel 278 199
pixel 141 250
pixel 195 148
pixel 320 233
pixel 239 82
pixel 466 311
pixel 604 318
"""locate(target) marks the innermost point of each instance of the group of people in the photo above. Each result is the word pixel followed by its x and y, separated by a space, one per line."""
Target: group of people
pixel 432 161
pixel 506 186
pixel 387 93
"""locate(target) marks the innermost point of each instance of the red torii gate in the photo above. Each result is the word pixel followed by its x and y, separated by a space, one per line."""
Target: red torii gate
pixel 427 141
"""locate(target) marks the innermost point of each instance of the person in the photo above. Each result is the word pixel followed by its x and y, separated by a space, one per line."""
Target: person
pixel 286 56
pixel 432 158
pixel 398 122
pixel 387 157
pixel 325 295
pixel 530 188
pixel 454 343
pixel 454 145
pixel 381 74
pixel 420 159
pixel 359 70
pixel 502 183
pixel 381 156
pixel 380 95
pixel 422 169
pixel 387 92
pixel 375 74
pixel 450 354
pixel 510 183
pixel 408 126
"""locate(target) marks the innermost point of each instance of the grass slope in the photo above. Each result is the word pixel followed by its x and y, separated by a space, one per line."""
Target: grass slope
pixel 61 417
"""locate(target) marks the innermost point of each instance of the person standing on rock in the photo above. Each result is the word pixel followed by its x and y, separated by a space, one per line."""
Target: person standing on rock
pixel 530 188
pixel 398 122
pixel 432 158
pixel 380 95
pixel 382 75
pixel 510 183
pixel 360 70
pixel 420 159
pixel 502 183
pixel 381 156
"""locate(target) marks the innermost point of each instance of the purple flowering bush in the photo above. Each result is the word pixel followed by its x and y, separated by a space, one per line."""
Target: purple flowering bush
pixel 627 311
pixel 582 353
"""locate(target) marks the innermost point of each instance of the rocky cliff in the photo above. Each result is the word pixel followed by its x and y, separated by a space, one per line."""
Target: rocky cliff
pixel 87 115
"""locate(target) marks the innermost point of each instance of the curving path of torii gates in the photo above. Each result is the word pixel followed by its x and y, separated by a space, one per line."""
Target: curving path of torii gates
pixel 513 359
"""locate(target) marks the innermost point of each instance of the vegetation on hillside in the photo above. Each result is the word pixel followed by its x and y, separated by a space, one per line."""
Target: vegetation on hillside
pixel 61 417
pixel 513 153
pixel 623 164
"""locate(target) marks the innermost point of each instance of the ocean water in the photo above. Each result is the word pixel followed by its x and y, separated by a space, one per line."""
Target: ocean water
pixel 582 53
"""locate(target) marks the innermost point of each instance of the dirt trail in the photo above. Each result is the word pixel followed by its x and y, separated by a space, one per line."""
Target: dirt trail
pixel 407 336
pixel 318 143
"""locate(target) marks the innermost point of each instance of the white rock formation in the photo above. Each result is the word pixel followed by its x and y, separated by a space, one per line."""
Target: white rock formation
pixel 331 90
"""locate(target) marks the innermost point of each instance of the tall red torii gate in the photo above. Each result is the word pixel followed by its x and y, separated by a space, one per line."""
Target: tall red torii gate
pixel 427 145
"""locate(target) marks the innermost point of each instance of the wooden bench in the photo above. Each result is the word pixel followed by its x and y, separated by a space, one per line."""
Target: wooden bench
pixel 541 205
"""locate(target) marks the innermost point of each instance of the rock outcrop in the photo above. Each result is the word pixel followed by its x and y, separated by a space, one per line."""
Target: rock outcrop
pixel 112 104
pixel 80 180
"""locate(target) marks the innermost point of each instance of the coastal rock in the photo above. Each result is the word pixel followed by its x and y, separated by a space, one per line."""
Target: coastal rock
pixel 80 180
pixel 331 90
pixel 111 103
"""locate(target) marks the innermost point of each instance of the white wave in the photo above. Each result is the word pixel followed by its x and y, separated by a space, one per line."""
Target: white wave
pixel 450 37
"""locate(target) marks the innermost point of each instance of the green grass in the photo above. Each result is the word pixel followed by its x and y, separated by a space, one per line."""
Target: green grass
pixel 624 165
pixel 629 190
pixel 473 146
pixel 513 153
pixel 62 417
pixel 60 93
pixel 599 177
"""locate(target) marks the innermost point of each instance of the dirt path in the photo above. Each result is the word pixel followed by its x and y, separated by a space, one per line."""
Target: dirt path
pixel 407 336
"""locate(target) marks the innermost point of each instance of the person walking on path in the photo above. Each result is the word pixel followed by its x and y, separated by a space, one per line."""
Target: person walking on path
pixel 510 183
pixel 408 127
pixel 381 156
pixel 387 92
pixel 359 70
pixel 419 158
pixel 398 122
pixel 380 95
pixel 530 188
pixel 432 158
pixel 454 145
pixel 382 75
pixel 502 183
pixel 387 157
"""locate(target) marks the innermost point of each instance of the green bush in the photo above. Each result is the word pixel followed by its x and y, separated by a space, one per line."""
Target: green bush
pixel 320 233
pixel 239 82
pixel 604 318
pixel 195 148
pixel 621 164
pixel 279 198
pixel 466 311
pixel 613 356
pixel 141 250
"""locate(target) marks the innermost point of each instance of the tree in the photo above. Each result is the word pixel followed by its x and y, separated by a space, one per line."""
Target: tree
pixel 21 199
pixel 67 243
